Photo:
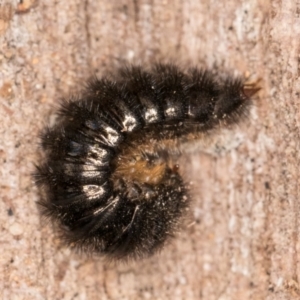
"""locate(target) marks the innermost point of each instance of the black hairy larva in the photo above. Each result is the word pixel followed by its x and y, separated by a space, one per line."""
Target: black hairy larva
pixel 107 177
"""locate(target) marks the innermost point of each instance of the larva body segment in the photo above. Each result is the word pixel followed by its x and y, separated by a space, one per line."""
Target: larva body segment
pixel 107 177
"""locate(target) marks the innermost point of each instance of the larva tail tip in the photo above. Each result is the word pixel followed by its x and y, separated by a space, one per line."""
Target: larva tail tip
pixel 251 88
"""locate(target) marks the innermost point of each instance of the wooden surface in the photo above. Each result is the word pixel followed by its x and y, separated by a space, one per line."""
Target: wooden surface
pixel 243 237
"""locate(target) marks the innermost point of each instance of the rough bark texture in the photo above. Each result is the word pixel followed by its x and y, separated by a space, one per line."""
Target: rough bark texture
pixel 243 241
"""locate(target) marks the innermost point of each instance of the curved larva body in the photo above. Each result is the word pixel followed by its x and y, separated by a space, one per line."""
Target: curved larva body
pixel 106 174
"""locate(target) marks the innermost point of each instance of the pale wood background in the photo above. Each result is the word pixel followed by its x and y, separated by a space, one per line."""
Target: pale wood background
pixel 243 239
